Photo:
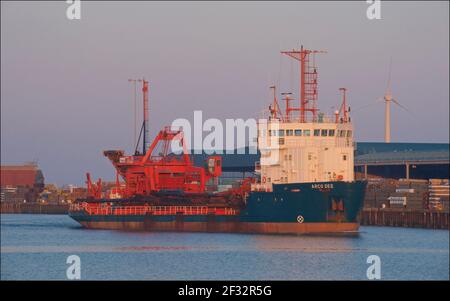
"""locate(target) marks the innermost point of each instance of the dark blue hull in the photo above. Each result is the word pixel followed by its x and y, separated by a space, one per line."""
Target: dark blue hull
pixel 315 202
pixel 325 207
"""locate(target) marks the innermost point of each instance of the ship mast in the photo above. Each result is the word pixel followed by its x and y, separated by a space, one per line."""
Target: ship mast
pixel 308 82
pixel 343 108
pixel 145 124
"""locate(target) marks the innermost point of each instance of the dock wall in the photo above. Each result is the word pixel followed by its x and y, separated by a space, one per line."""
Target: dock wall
pixel 411 218
pixel 33 208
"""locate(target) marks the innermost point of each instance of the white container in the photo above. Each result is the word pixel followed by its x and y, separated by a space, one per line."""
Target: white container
pixel 397 200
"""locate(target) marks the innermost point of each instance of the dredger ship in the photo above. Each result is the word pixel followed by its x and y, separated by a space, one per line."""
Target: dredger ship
pixel 303 183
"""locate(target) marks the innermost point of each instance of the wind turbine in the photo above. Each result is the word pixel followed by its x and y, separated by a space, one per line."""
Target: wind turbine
pixel 387 112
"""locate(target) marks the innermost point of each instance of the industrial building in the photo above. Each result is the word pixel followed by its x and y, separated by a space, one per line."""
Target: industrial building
pixel 21 183
pixel 403 160
pixel 407 175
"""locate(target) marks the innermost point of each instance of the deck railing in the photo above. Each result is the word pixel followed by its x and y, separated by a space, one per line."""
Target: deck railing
pixel 152 210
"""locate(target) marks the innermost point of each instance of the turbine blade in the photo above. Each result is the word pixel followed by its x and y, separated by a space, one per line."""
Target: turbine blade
pixel 363 106
pixel 388 87
pixel 401 106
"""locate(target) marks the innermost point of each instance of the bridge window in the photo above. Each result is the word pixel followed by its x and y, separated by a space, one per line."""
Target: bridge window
pixel 349 133
pixel 316 133
pixel 324 133
pixel 289 132
pixel 281 141
pixel 331 133
pixel 281 133
pixel 298 132
pixel 344 157
pixel 306 132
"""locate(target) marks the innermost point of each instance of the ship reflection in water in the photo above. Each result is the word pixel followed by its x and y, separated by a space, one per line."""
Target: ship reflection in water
pixel 37 246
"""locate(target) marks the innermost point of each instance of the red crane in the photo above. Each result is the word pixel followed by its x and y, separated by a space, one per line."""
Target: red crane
pixel 157 168
pixel 161 170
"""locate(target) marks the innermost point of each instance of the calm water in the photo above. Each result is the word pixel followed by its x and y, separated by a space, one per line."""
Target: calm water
pixel 37 246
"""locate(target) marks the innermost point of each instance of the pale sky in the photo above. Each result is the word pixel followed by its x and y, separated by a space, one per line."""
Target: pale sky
pixel 65 95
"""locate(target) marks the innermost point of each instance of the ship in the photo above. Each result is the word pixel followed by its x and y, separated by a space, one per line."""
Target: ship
pixel 304 182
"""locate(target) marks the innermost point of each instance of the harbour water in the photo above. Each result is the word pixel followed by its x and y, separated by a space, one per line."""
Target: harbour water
pixel 36 247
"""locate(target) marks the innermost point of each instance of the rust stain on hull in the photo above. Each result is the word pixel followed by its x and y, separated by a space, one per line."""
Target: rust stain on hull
pixel 227 227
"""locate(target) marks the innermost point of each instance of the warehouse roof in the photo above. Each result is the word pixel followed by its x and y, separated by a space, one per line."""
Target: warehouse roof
pixel 399 157
pixel 403 147
pixel 20 175
pixel 393 153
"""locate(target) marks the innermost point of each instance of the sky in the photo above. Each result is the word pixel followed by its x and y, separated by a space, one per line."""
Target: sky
pixel 65 95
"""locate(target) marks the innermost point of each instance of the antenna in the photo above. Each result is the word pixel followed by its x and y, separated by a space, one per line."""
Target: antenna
pixel 276 108
pixel 308 81
pixel 287 98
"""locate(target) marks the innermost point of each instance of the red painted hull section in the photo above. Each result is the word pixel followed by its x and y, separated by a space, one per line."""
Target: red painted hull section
pixel 228 227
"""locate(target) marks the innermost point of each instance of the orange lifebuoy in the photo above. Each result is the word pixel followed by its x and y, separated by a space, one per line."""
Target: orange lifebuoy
pixel 264 179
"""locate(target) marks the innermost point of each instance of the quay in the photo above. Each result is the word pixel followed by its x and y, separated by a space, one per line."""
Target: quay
pixel 400 217
pixel 17 208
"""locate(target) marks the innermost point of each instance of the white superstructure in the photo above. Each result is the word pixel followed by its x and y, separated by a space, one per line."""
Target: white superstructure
pixel 299 148
pixel 294 152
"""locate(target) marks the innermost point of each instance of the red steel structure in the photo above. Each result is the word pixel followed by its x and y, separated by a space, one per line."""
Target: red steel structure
pixel 94 189
pixel 157 168
pixel 308 83
pixel 163 170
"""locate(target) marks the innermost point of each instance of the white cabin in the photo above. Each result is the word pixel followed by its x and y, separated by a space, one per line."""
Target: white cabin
pixel 299 152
